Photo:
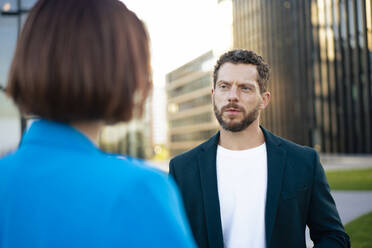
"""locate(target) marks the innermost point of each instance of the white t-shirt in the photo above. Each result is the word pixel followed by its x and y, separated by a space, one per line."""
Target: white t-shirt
pixel 242 184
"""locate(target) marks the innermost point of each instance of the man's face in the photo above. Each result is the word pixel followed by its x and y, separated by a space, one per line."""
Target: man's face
pixel 236 97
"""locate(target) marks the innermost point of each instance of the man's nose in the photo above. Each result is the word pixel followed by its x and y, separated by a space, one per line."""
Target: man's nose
pixel 233 94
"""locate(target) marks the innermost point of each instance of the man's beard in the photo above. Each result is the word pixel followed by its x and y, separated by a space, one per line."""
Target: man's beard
pixel 240 126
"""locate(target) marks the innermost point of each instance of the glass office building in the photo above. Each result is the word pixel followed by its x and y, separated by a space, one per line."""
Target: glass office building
pixel 320 52
pixel 190 114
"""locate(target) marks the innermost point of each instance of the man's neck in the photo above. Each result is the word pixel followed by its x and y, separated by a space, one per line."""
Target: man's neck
pixel 250 137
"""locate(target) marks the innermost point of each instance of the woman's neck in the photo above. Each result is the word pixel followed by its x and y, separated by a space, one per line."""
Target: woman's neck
pixel 89 128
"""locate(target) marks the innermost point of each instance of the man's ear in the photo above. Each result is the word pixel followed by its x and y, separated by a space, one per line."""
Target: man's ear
pixel 266 96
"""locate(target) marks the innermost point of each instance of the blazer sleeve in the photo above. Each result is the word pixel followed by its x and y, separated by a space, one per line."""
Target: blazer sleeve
pixel 326 229
pixel 172 172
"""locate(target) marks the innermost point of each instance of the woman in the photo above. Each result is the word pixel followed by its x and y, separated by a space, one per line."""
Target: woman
pixel 78 65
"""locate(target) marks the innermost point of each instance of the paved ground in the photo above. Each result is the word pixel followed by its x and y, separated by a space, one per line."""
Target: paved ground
pixel 344 162
pixel 352 204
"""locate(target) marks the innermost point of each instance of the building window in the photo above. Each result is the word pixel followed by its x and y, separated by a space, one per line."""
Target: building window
pixel 199 83
pixel 193 136
pixel 197 102
pixel 192 120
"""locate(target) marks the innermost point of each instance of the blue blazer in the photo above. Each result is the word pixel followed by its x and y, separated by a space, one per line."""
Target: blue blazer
pixel 59 190
pixel 297 195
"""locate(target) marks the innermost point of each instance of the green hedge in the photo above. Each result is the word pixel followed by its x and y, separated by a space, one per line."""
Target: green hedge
pixel 358 179
pixel 360 231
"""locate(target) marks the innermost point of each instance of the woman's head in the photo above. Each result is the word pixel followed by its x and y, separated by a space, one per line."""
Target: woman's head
pixel 81 60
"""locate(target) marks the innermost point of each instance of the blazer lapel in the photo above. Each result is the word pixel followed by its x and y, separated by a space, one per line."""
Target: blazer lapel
pixel 208 178
pixel 276 160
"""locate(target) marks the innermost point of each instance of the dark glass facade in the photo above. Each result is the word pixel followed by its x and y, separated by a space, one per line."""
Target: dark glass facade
pixel 320 52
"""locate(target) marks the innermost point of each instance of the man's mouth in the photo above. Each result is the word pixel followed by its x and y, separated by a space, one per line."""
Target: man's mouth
pixel 232 110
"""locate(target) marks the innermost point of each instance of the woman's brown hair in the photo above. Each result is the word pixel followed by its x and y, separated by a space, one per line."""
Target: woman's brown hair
pixel 81 60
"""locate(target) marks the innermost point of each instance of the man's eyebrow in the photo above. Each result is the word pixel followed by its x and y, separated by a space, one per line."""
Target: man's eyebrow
pixel 246 84
pixel 239 83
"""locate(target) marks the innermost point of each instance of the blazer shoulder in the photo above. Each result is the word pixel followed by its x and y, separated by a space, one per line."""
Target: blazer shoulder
pixel 298 151
pixel 188 156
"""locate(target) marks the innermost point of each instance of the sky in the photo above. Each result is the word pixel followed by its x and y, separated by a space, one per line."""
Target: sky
pixel 180 30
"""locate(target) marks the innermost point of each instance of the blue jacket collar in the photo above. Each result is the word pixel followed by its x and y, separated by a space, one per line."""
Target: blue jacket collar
pixel 57 134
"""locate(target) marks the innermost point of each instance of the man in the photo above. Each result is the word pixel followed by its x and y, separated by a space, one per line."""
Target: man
pixel 246 187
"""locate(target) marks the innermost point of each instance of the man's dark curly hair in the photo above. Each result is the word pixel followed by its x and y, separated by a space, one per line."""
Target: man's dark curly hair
pixel 241 56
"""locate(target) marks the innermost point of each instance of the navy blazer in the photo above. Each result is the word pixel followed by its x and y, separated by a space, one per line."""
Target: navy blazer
pixel 59 190
pixel 297 195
